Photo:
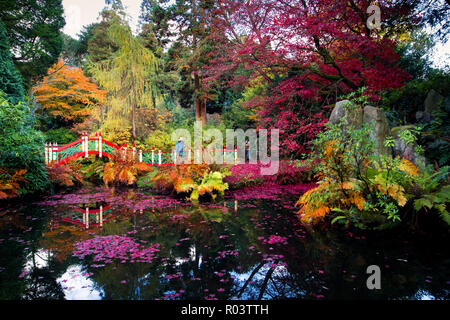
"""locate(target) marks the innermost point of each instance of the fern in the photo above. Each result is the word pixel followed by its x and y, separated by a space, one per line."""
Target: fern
pixel 123 169
pixel 212 184
pixel 436 201
pixel 194 179
pixel 146 181
pixel 94 170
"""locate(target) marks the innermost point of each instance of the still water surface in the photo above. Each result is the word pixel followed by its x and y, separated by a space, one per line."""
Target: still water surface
pixel 103 244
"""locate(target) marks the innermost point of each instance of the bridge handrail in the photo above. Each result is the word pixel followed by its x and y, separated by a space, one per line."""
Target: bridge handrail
pixel 115 146
pixel 69 145
pixel 52 151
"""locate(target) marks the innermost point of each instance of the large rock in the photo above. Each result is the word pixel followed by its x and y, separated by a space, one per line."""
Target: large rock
pixel 406 151
pixel 423 117
pixel 351 114
pixel 346 111
pixel 380 130
pixel 433 101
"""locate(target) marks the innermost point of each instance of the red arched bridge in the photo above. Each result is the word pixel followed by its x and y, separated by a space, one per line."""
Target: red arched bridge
pixel 86 146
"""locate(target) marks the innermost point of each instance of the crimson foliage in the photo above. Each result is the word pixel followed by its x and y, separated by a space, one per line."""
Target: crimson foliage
pixel 307 54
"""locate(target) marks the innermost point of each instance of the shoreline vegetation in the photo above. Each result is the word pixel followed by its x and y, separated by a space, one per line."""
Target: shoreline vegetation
pixel 242 181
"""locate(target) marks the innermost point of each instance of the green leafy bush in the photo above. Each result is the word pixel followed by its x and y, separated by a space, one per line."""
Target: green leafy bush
pixel 62 136
pixel 93 168
pixel 194 181
pixel 212 184
pixel 147 180
pixel 403 104
pixel 159 139
pixel 21 146
pixel 436 136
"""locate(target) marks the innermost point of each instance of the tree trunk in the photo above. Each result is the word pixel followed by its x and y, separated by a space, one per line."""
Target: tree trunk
pixel 200 107
pixel 203 111
pixel 133 123
pixel 198 102
pixel 133 104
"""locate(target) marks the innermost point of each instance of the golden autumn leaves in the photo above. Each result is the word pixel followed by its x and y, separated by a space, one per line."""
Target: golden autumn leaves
pixel 67 93
pixel 9 184
pixel 345 191
pixel 123 169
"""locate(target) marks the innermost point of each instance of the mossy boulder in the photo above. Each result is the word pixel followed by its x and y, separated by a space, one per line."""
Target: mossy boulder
pixel 351 114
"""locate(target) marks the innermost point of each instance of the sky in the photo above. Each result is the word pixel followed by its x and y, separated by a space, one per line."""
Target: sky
pixel 83 12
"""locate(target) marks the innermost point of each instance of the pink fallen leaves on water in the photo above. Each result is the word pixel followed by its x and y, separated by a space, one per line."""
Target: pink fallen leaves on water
pixel 270 191
pixel 173 276
pixel 223 254
pixel 106 248
pixel 273 239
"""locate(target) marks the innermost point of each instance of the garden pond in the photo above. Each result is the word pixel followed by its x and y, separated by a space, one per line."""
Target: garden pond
pixel 100 243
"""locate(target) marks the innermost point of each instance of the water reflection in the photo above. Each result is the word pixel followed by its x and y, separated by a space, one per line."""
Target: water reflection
pixel 102 245
pixel 77 284
pixel 88 217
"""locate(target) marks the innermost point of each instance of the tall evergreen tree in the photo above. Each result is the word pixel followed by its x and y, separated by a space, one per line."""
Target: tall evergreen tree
pixel 10 79
pixel 33 28
pixel 184 25
pixel 100 46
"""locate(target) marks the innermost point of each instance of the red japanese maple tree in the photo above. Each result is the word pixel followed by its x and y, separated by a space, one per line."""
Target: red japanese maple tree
pixel 308 52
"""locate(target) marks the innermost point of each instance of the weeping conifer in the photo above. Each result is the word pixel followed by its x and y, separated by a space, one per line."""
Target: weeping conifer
pixel 125 75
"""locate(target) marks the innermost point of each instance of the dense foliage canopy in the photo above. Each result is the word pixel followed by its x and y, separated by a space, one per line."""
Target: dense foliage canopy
pixel 34 32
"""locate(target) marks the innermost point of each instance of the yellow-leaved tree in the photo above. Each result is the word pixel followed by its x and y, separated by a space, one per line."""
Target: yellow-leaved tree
pixel 126 76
